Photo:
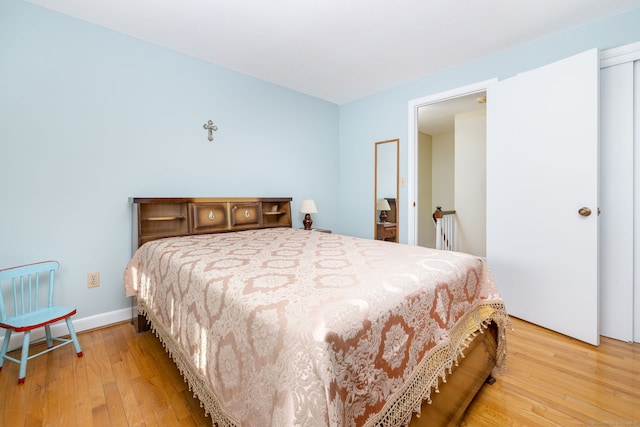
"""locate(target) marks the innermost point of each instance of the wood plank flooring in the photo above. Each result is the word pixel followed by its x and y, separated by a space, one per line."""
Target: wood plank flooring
pixel 127 379
pixel 552 380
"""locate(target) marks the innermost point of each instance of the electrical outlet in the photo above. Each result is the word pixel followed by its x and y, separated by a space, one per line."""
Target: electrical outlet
pixel 93 280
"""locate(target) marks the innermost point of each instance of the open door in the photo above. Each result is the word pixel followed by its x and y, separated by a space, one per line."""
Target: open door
pixel 542 194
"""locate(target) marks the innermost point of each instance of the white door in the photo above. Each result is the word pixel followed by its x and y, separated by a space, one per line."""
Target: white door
pixel 542 168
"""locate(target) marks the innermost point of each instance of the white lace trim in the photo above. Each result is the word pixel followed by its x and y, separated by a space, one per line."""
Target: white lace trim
pixel 438 363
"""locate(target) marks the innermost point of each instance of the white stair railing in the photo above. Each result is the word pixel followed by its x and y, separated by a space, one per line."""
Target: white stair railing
pixel 445 230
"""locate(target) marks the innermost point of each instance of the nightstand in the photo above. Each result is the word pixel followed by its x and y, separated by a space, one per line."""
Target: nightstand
pixel 386 231
pixel 319 229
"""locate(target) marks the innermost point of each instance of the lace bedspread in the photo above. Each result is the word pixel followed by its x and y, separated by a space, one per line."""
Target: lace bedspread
pixel 287 327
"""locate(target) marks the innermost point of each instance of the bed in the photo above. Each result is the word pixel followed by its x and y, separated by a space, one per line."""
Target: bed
pixel 276 326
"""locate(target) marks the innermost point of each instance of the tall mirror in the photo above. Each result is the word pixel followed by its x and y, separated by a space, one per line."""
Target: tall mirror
pixel 385 208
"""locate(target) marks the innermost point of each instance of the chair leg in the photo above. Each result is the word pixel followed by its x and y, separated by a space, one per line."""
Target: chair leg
pixel 5 347
pixel 23 358
pixel 47 333
pixel 74 337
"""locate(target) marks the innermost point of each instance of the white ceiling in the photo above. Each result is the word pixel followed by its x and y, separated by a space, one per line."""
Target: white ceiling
pixel 439 118
pixel 339 50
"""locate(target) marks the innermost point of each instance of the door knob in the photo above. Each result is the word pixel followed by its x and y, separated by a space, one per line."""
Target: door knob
pixel 584 211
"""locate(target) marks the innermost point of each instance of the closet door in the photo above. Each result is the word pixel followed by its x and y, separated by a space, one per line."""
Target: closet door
pixel 636 225
pixel 542 169
pixel 616 201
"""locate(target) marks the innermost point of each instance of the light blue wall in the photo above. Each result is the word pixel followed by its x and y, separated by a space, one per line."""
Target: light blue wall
pixel 90 117
pixel 385 115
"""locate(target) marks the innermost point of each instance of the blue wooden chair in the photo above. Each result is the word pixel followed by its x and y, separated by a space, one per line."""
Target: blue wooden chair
pixel 29 286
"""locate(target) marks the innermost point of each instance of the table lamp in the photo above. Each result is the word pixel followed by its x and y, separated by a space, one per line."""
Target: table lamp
pixel 308 207
pixel 383 206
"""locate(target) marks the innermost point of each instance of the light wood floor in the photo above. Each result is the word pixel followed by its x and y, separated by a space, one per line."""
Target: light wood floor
pixel 126 379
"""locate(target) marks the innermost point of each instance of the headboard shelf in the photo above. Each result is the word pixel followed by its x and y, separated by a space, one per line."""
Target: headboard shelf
pixel 164 218
pixel 159 217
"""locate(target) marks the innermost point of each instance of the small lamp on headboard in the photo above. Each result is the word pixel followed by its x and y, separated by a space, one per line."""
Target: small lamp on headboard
pixel 308 207
pixel 383 206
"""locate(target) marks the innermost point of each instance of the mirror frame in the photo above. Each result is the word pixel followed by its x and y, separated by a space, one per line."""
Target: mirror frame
pixel 378 156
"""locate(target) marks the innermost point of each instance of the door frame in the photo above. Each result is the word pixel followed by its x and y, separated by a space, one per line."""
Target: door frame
pixel 412 149
pixel 619 55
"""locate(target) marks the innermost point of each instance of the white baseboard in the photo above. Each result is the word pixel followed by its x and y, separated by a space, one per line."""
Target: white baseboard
pixel 82 324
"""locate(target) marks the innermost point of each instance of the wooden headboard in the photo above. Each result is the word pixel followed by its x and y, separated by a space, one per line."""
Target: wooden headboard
pixel 156 218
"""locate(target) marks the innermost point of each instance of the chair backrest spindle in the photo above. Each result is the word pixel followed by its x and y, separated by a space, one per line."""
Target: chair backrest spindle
pixel 16 300
pixel 29 292
pixel 51 277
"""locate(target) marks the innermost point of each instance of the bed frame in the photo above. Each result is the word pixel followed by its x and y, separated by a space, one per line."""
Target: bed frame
pixel 449 405
pixel 156 218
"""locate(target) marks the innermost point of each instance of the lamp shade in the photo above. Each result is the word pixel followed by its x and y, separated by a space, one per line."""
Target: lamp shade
pixel 308 207
pixel 383 205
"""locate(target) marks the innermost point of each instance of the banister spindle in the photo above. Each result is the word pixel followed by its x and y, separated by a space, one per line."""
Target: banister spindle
pixel 444 228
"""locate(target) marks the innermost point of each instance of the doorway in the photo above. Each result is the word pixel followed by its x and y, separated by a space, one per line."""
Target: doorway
pixel 452 170
pixel 446 156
